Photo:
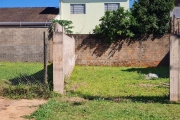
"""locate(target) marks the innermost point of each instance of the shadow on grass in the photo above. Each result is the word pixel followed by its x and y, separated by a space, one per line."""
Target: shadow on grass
pixel 142 99
pixel 35 78
pixel 29 86
pixel 163 72
pixel 50 76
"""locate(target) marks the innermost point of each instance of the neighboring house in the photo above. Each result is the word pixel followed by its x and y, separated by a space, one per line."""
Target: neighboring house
pixel 85 14
pixel 175 16
pixel 176 10
pixel 28 14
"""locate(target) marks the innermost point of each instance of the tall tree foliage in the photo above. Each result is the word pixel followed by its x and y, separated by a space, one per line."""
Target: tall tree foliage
pixel 152 16
pixel 145 17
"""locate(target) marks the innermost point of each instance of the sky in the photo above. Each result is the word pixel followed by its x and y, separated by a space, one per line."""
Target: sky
pixel 33 3
pixel 131 3
pixel 29 3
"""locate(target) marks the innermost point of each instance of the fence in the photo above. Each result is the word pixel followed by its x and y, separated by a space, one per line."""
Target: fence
pixel 175 59
pixel 63 57
pixel 28 50
pixel 23 54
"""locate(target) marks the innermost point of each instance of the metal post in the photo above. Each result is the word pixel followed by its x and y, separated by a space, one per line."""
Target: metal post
pixel 45 58
pixel 174 24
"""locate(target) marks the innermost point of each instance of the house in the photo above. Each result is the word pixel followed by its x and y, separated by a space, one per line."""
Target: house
pixel 176 10
pixel 175 18
pixel 85 14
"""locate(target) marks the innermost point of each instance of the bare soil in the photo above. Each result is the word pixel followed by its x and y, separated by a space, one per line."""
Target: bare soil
pixel 16 109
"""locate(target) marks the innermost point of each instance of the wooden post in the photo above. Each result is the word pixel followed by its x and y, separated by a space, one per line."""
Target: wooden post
pixel 58 73
pixel 178 27
pixel 171 24
pixel 174 24
pixel 45 58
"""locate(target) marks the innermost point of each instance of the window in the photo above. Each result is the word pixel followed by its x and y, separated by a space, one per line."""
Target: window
pixel 111 6
pixel 78 9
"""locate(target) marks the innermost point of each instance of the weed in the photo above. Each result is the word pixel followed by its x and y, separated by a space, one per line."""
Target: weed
pixel 141 76
pixel 27 91
pixel 24 80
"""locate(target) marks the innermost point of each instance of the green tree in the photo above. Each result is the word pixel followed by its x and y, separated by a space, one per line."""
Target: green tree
pixel 64 23
pixel 152 16
pixel 115 23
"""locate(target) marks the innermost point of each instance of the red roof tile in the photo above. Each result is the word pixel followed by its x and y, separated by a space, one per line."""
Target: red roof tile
pixel 36 14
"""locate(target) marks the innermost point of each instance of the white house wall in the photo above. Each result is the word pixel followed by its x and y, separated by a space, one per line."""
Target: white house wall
pixel 85 23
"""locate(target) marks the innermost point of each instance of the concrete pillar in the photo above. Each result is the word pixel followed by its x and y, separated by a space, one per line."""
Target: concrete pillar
pixel 58 75
pixel 174 68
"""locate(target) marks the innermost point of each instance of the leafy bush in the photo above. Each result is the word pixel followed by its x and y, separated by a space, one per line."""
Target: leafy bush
pixel 152 16
pixel 114 23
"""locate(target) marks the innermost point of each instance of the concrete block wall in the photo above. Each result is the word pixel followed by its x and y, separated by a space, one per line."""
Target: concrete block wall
pixel 68 54
pixel 149 51
pixel 22 44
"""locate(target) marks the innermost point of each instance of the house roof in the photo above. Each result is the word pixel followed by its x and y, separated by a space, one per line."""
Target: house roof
pixel 34 14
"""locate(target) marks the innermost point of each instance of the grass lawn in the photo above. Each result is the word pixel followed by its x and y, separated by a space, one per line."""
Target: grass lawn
pixel 95 93
pixel 12 70
pixel 112 93
pixel 23 80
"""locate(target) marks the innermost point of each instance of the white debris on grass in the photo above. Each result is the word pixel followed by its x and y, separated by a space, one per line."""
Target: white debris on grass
pixel 151 76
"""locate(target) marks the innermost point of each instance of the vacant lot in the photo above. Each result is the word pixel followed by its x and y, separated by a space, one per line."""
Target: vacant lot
pixel 97 93
pixel 111 93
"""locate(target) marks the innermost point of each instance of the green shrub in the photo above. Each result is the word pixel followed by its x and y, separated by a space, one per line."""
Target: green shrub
pixel 64 23
pixel 115 23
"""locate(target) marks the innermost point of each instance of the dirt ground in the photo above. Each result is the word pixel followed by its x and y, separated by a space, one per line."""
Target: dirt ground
pixel 15 109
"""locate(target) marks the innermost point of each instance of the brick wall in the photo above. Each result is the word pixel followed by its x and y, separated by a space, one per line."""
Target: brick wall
pixel 22 44
pixel 26 44
pixel 140 51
